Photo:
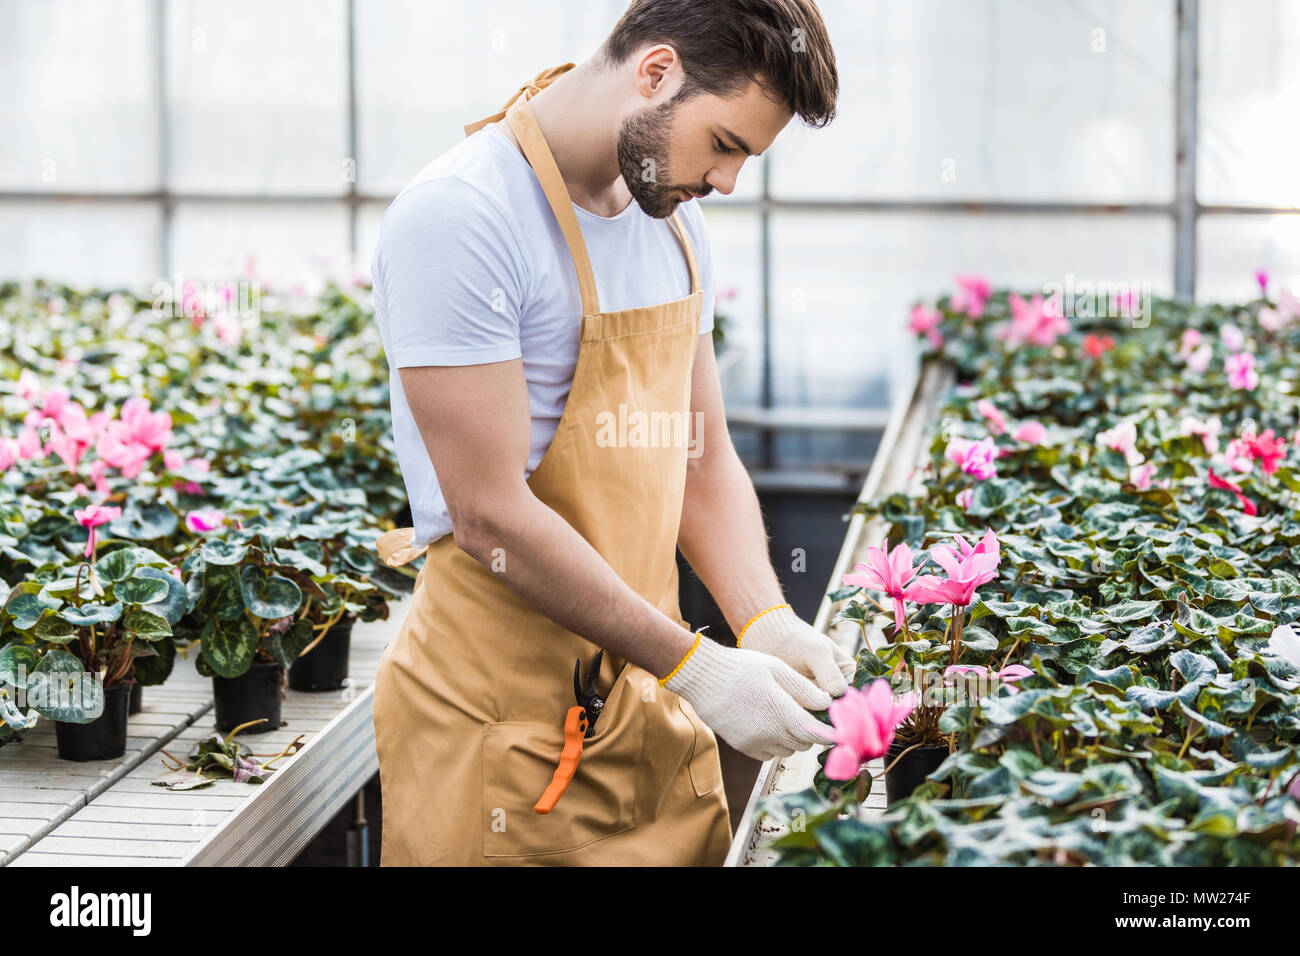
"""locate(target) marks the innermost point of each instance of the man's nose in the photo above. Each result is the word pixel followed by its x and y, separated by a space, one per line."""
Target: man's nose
pixel 723 180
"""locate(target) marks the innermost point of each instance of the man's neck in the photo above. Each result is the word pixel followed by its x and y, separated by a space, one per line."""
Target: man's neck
pixel 578 115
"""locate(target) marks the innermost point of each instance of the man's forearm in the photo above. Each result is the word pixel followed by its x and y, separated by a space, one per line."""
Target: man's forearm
pixel 723 538
pixel 540 557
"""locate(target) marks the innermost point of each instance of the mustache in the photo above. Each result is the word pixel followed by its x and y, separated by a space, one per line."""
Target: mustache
pixel 702 190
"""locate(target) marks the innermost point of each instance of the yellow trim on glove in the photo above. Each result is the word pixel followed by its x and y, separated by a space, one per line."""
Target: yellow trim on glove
pixel 663 681
pixel 755 618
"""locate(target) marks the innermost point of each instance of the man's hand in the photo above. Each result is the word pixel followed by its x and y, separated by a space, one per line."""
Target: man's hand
pixel 754 702
pixel 779 632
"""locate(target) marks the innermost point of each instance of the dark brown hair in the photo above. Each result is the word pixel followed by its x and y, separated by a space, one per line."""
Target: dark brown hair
pixel 724 44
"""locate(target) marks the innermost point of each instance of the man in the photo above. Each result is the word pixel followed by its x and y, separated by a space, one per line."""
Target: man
pixel 548 278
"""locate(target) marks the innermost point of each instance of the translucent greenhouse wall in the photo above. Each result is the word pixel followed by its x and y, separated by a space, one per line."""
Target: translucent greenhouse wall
pixel 145 138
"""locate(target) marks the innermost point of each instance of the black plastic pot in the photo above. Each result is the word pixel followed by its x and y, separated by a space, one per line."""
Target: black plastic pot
pixel 253 694
pixel 104 737
pixel 137 699
pixel 910 772
pixel 325 666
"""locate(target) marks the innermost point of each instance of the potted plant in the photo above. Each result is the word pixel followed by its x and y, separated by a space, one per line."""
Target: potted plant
pixel 331 549
pixel 79 632
pixel 919 745
pixel 245 620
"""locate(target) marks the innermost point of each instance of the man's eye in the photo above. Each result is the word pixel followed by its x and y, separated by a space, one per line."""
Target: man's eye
pixel 717 144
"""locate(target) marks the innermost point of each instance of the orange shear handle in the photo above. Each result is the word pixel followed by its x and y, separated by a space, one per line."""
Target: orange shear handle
pixel 575 731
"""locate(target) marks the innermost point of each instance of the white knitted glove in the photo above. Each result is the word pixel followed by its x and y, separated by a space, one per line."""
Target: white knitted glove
pixel 779 631
pixel 752 701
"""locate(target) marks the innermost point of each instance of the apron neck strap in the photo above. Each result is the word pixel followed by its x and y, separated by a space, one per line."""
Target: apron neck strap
pixel 689 250
pixel 524 125
pixel 535 85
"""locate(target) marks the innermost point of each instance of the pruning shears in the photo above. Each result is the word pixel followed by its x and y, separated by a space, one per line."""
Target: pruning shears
pixel 579 724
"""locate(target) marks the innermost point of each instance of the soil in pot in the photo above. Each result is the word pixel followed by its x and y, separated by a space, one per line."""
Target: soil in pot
pixel 137 699
pixel 910 772
pixel 251 695
pixel 325 666
pixel 104 738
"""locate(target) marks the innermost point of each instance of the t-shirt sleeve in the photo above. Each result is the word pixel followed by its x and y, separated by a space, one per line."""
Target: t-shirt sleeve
pixel 450 273
pixel 699 233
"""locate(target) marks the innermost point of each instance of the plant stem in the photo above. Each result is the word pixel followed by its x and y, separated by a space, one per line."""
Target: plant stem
pixel 895 761
pixel 960 614
pixel 1187 741
pixel 249 723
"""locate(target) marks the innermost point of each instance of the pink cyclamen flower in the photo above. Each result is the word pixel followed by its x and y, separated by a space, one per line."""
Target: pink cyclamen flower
pixel 116 449
pixel 988 544
pixel 1008 675
pixel 964 498
pixel 29 387
pixel 925 322
pixel 1128 303
pixel 1236 456
pixel 151 429
pixel 1288 307
pixel 1190 342
pixel 1199 360
pixel 1037 321
pixel 1261 279
pixel 54 402
pixel 973 293
pixel 997 423
pixel 9 452
pixel 1030 432
pixel 91 518
pixel 1122 438
pixel 1265 448
pixel 1013 673
pixel 976 458
pixel 966 572
pixel 205 519
pixel 1234 340
pixel 29 443
pixel 1207 431
pixel 979 670
pixel 1141 476
pixel 886 571
pixel 1241 371
pixel 1094 346
pixel 864 723
pixel 1247 505
pixel 229 329
pixel 923 318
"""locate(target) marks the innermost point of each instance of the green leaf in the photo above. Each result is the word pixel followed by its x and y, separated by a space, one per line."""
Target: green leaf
pixel 228 647
pixel 269 596
pixel 60 689
pixel 141 590
pixel 16 662
pixel 117 565
pixel 143 624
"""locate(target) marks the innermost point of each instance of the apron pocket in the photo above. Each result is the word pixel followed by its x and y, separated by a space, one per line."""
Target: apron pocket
pixel 519 759
pixel 705 768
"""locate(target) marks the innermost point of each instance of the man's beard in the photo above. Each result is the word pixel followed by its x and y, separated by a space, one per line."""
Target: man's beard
pixel 643 161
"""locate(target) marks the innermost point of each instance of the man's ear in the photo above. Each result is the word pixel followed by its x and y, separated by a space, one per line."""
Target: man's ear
pixel 658 72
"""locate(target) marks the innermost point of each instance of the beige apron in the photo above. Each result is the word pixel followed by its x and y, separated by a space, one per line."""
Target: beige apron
pixel 472 693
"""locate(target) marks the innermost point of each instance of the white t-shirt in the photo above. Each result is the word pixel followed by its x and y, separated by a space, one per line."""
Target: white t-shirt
pixel 471 268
